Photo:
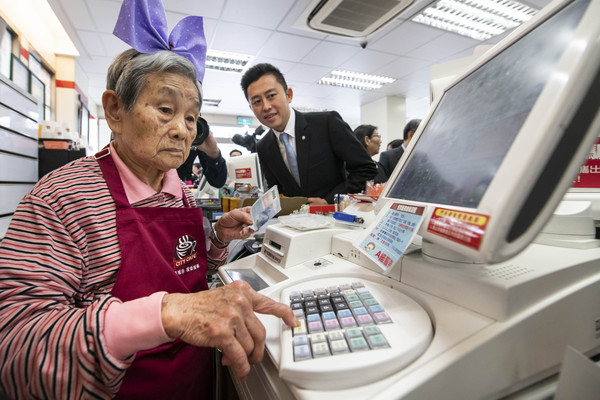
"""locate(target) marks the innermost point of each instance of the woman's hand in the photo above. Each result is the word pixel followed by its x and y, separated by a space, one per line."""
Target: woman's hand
pixel 224 318
pixel 234 225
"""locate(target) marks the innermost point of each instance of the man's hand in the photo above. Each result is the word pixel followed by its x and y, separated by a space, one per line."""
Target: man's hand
pixel 317 201
pixel 224 318
pixel 209 146
pixel 234 225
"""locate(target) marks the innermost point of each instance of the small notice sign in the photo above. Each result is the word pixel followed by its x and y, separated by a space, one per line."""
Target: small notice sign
pixel 589 173
pixel 461 227
pixel 394 230
pixel 243 173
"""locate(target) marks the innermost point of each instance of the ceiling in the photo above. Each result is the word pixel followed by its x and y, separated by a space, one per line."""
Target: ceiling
pixel 267 30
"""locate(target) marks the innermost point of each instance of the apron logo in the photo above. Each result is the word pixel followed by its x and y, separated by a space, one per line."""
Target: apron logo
pixel 185 251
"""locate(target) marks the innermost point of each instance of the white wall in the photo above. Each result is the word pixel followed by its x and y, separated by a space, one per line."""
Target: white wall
pixel 389 115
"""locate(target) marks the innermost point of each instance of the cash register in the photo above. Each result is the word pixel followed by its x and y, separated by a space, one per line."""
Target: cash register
pixel 497 279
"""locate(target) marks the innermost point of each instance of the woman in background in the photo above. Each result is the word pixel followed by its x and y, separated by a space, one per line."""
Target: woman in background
pixel 369 137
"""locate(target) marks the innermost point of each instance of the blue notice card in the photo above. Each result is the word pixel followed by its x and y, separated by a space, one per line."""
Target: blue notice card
pixel 391 234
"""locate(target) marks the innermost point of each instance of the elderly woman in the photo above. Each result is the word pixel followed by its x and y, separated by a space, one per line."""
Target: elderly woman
pixel 104 263
pixel 369 137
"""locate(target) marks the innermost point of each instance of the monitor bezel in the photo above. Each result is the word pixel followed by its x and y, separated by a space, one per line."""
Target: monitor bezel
pixel 551 115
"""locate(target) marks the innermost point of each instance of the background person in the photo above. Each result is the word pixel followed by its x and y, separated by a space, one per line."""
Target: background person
pixel 394 143
pixel 389 159
pixel 213 164
pixel 104 262
pixel 369 136
pixel 322 159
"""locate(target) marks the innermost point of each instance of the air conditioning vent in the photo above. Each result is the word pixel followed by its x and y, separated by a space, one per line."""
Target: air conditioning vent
pixel 354 18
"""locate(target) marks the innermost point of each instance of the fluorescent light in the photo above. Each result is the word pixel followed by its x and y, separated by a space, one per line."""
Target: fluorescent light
pixel 477 19
pixel 224 61
pixel 309 109
pixel 354 80
pixel 211 102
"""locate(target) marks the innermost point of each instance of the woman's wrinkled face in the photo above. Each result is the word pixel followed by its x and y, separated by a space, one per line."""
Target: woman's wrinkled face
pixel 158 131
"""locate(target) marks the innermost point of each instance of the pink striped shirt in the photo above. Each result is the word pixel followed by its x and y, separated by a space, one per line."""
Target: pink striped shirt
pixel 58 264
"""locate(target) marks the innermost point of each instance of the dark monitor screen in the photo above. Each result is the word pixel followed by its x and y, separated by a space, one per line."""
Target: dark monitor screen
pixel 467 137
pixel 504 142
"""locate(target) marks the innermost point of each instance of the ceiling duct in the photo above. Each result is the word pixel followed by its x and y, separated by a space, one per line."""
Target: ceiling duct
pixel 353 18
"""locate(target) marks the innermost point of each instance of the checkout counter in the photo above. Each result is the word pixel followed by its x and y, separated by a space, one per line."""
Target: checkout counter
pixel 463 333
pixel 470 278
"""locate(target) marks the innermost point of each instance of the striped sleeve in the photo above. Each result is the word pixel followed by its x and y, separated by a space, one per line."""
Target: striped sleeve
pixel 58 262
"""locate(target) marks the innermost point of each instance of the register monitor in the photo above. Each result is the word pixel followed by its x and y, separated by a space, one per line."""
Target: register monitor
pixel 503 143
pixel 245 169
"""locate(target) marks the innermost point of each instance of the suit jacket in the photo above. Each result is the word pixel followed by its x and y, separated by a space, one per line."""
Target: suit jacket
pixel 381 176
pixel 330 159
pixel 388 160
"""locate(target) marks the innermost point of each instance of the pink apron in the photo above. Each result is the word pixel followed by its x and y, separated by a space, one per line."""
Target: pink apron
pixel 162 249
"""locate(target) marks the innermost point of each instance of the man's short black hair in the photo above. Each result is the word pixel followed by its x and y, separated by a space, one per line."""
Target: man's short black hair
pixel 395 143
pixel 412 126
pixel 257 71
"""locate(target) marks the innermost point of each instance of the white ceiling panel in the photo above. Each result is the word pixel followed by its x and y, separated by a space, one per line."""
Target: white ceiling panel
pixel 367 61
pixel 267 30
pixel 329 54
pixel 113 44
pixel 404 38
pixel 443 47
pixel 94 43
pixel 284 66
pixel 104 13
pixel 207 9
pixel 77 12
pixel 238 38
pixel 306 73
pixel 283 46
pixel 402 66
pixel 261 13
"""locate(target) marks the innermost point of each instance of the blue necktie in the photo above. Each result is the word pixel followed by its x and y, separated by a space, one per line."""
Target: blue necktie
pixel 291 156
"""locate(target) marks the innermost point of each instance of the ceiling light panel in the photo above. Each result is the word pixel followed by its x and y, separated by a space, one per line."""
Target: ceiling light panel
pixel 481 19
pixel 224 61
pixel 354 80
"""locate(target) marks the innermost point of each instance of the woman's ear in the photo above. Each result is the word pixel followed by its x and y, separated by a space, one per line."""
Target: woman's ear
pixel 113 110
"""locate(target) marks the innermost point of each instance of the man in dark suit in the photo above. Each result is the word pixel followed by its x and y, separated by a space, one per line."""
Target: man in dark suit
pixel 314 154
pixel 389 159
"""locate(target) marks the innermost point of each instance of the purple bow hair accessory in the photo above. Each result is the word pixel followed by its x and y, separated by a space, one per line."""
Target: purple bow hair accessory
pixel 142 24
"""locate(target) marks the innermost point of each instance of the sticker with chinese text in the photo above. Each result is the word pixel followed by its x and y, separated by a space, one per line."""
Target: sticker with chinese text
pixel 391 234
pixel 461 227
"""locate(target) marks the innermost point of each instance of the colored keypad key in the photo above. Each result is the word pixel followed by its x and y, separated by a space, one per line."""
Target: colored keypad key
pixel 337 320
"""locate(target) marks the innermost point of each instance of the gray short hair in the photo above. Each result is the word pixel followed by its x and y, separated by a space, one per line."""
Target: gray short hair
pixel 127 73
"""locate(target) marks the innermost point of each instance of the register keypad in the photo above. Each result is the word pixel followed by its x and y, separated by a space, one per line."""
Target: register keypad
pixel 337 320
